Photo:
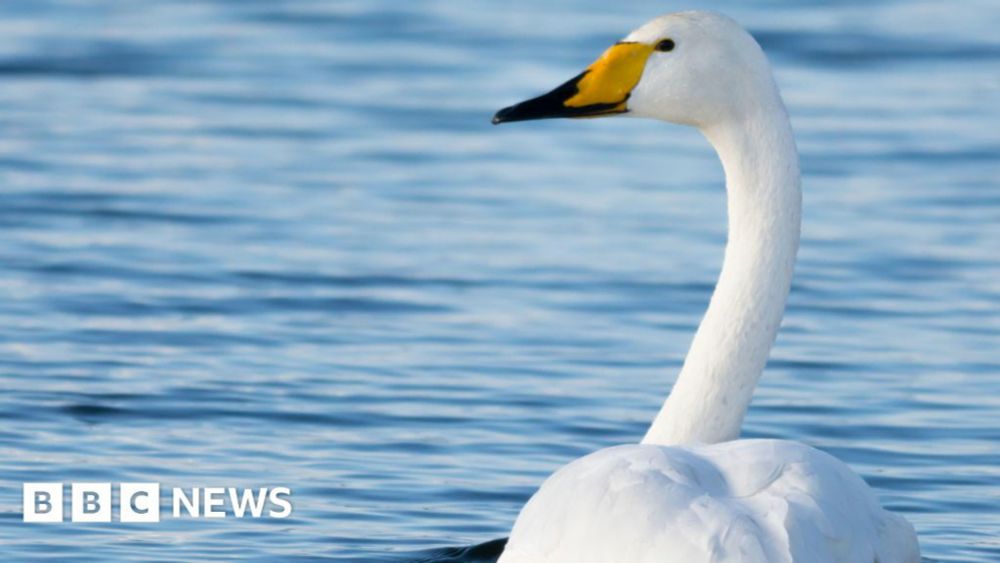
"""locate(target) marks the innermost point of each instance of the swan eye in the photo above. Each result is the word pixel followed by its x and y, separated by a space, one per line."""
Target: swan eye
pixel 665 45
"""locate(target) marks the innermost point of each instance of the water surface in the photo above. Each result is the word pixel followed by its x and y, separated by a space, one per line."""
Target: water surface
pixel 257 243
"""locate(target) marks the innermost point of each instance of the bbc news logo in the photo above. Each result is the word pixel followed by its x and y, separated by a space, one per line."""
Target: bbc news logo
pixel 140 502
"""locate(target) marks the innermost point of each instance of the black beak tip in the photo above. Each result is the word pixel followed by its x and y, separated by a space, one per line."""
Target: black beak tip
pixel 502 115
pixel 548 105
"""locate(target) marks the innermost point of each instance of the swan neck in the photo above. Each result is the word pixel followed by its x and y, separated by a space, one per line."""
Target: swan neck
pixel 727 356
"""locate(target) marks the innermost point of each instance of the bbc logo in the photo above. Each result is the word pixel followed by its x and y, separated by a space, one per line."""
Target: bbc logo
pixel 91 502
pixel 140 502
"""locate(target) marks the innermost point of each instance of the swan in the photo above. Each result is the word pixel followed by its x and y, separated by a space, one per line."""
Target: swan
pixel 691 491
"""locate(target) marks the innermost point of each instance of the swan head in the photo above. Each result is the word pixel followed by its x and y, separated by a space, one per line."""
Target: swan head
pixel 692 68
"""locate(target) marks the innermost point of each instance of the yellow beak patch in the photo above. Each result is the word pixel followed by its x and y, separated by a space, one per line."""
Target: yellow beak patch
pixel 602 89
pixel 612 76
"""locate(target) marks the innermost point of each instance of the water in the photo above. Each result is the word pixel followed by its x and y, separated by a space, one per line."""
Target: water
pixel 258 244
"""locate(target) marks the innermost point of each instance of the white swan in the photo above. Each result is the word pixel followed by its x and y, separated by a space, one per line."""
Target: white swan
pixel 692 492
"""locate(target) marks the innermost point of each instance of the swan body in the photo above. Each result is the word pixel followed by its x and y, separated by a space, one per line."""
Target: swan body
pixel 692 491
pixel 747 501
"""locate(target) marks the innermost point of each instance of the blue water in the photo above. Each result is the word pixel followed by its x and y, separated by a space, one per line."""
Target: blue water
pixel 257 243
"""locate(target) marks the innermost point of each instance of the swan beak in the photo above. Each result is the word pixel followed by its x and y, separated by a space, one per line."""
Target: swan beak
pixel 602 89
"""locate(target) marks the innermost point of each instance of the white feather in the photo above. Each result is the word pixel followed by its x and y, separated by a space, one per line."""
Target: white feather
pixel 749 501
